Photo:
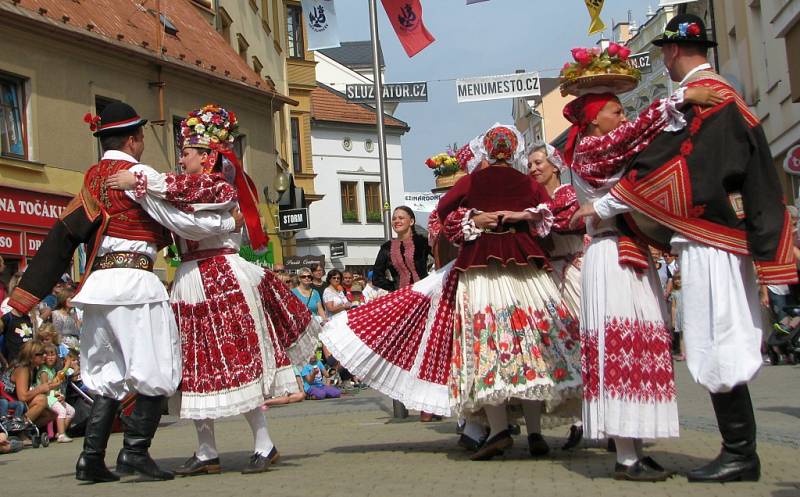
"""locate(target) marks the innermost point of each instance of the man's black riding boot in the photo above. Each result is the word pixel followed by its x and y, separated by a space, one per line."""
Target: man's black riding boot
pixel 738 460
pixel 140 427
pixel 91 464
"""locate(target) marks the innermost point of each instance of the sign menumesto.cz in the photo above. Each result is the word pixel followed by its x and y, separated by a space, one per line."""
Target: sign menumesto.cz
pixel 293 219
pixel 524 84
pixel 392 92
pixel 641 61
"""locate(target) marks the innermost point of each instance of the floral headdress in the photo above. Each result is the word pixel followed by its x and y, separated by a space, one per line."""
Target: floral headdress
pixel 504 142
pixel 214 128
pixel 203 128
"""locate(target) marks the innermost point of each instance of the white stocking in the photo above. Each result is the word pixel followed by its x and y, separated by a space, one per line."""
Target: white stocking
pixel 206 443
pixel 532 411
pixel 626 451
pixel 258 423
pixel 498 419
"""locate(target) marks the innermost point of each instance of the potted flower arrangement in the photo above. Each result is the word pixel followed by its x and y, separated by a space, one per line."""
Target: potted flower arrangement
pixel 446 168
pixel 609 66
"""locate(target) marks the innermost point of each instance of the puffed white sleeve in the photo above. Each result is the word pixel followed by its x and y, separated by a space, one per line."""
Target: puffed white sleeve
pixel 187 225
pixel 609 206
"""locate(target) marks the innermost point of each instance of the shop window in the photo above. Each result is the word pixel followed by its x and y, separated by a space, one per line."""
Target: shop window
pixel 349 201
pixel 239 147
pixel 297 163
pixel 178 141
pixel 13 139
pixel 294 30
pixel 372 201
pixel 243 46
pixel 257 65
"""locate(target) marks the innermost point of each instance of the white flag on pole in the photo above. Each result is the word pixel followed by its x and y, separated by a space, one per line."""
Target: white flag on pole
pixel 470 2
pixel 320 16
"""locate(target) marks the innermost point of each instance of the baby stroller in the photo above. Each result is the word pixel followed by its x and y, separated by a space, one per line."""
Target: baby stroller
pixel 18 427
pixel 785 340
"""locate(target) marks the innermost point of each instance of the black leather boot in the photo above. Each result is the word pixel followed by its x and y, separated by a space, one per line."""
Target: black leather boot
pixel 140 427
pixel 91 464
pixel 738 460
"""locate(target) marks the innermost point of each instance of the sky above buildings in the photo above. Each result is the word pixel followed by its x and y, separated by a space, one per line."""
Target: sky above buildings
pixel 494 37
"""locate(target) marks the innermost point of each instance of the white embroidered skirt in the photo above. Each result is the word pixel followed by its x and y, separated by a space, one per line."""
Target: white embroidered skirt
pixel 241 329
pixel 629 388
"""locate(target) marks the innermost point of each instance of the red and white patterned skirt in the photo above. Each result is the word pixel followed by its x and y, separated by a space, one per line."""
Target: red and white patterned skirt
pixel 241 331
pixel 412 346
pixel 628 382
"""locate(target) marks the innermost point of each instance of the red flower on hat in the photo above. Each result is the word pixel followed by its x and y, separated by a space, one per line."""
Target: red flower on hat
pixel 92 121
pixel 582 56
pixel 693 29
pixel 431 164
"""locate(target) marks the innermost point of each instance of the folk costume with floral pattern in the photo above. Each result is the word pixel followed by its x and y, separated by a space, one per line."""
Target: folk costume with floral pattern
pixel 485 329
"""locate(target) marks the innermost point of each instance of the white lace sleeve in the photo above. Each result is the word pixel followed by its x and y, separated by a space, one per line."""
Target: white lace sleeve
pixel 669 107
pixel 468 227
pixel 543 225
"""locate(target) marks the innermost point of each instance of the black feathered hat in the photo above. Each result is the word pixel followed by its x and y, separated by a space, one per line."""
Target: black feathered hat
pixel 685 29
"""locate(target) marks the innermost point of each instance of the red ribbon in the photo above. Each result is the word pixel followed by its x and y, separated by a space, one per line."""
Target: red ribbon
pixel 248 198
pixel 92 121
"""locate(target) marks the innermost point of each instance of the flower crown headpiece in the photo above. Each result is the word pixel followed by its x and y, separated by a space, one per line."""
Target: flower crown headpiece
pixel 209 127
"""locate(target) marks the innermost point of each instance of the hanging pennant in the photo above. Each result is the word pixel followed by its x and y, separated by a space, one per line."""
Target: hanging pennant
pixel 594 7
pixel 320 17
pixel 406 19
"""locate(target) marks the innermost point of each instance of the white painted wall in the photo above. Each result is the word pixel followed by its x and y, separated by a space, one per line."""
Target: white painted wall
pixel 331 73
pixel 333 165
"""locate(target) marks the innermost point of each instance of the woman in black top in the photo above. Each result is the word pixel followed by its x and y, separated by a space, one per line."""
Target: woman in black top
pixel 405 257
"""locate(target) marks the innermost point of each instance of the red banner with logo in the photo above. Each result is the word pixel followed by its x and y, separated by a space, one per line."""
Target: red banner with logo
pixel 406 19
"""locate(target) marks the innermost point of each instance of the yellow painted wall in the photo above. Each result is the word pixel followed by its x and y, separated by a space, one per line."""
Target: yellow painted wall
pixel 61 86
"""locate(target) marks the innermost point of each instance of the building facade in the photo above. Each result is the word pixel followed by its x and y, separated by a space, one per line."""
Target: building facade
pixel 759 48
pixel 164 65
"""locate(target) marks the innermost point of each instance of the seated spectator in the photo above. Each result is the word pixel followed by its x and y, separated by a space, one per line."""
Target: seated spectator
pixel 8 402
pixel 314 381
pixel 31 356
pixel 289 397
pixel 16 332
pixel 9 446
pixel 309 296
pixel 55 398
pixel 48 335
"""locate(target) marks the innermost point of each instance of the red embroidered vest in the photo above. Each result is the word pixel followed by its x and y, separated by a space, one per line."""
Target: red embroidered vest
pixel 127 219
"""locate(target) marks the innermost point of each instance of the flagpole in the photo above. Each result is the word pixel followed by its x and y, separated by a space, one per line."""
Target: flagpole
pixel 378 83
pixel 398 409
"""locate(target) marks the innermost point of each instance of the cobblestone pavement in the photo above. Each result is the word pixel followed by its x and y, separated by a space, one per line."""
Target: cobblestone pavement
pixel 353 447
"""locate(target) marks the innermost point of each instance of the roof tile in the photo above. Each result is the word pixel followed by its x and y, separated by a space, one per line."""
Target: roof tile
pixel 330 105
pixel 196 45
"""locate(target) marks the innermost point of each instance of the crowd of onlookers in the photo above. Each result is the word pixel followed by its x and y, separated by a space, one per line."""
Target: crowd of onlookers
pixel 39 361
pixel 326 295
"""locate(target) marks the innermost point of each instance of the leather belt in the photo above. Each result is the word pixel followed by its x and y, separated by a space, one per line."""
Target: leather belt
pixel 126 260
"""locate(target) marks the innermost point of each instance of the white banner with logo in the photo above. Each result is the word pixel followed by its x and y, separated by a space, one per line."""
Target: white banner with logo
pixel 524 84
pixel 421 201
pixel 320 16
